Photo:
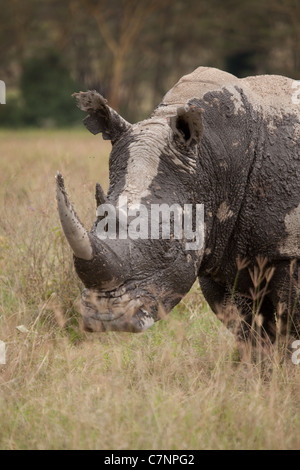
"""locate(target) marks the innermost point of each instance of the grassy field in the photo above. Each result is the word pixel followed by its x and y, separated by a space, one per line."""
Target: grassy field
pixel 177 386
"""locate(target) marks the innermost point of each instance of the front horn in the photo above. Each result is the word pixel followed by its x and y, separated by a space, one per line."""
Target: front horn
pixel 75 232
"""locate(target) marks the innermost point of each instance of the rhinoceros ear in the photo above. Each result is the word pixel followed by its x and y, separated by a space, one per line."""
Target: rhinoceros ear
pixel 101 117
pixel 187 124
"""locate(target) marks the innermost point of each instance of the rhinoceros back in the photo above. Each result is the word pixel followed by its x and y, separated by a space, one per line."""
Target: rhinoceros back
pixel 275 93
pixel 272 93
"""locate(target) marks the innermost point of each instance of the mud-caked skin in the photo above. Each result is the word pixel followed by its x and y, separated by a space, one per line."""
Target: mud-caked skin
pixel 230 144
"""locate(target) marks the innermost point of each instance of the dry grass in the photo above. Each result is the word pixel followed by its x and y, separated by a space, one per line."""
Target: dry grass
pixel 177 386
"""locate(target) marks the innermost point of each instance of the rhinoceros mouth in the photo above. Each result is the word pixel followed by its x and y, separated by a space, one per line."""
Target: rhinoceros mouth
pixel 115 313
pixel 104 317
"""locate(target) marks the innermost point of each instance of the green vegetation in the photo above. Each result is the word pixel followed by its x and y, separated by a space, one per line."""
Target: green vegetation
pixel 133 51
pixel 46 88
pixel 177 386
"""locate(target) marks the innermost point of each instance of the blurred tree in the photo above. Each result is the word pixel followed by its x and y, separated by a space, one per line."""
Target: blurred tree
pixel 286 30
pixel 17 26
pixel 119 24
pixel 133 51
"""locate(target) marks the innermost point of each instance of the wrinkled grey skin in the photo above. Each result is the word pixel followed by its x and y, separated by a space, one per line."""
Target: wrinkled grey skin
pixel 231 144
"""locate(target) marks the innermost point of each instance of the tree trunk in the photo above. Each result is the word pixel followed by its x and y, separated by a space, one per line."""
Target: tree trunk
pixel 117 80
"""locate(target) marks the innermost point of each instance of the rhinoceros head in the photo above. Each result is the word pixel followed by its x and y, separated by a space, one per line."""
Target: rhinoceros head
pixel 132 273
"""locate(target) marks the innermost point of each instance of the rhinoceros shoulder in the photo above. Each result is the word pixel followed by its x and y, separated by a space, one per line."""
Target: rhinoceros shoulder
pixel 274 91
pixel 274 94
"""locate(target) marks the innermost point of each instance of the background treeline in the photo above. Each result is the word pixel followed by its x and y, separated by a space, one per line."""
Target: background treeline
pixel 133 51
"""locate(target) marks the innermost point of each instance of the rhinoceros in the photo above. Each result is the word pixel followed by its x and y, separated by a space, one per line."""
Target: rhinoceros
pixel 230 145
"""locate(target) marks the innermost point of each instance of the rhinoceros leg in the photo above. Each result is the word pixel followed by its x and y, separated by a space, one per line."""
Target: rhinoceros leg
pixel 233 310
pixel 277 317
pixel 213 292
pixel 236 311
pixel 285 291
